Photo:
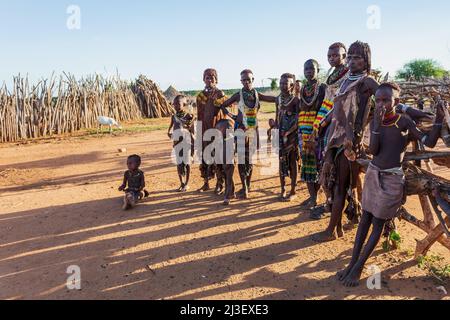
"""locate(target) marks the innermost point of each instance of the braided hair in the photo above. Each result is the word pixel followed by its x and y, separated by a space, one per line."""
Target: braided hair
pixel 362 49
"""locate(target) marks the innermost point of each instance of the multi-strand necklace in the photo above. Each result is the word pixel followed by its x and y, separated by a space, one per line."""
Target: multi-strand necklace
pixel 355 77
pixel 309 91
pixel 249 97
pixel 285 101
pixel 337 74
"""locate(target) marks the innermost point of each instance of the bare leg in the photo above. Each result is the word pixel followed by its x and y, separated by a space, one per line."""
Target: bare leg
pixel 249 180
pixel 340 230
pixel 312 189
pixel 220 173
pixel 283 187
pixel 294 174
pixel 361 237
pixel 353 278
pixel 340 192
pixel 244 191
pixel 180 177
pixel 229 184
pixel 205 174
pixel 188 175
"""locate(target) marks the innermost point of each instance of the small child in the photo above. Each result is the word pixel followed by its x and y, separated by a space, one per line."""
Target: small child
pixel 135 180
pixel 225 171
pixel 182 120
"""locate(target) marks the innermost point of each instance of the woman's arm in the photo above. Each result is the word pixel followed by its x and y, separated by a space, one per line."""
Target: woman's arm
pixel 374 146
pixel 142 182
pixel 234 98
pixel 430 139
pixel 264 98
pixel 170 128
pixel 125 180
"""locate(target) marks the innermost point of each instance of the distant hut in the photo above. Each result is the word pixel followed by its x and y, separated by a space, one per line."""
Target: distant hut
pixel 171 94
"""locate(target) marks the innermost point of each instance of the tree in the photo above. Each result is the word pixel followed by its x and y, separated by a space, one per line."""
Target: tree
pixel 420 69
pixel 273 83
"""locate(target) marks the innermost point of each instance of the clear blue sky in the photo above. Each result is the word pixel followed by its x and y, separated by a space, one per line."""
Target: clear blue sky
pixel 172 41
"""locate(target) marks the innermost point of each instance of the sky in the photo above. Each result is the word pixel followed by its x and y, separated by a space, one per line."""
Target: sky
pixel 173 41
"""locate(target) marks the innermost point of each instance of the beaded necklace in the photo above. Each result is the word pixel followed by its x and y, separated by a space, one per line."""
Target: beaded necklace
pixel 337 74
pixel 282 100
pixel 390 119
pixel 355 77
pixel 250 121
pixel 249 96
pixel 313 92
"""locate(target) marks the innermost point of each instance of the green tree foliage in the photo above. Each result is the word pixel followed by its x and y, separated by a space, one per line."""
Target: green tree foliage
pixel 420 69
pixel 273 84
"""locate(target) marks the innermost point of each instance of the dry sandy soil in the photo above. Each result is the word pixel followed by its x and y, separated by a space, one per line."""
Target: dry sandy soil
pixel 60 207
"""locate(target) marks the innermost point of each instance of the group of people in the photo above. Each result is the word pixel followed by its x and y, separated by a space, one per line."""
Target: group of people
pixel 321 127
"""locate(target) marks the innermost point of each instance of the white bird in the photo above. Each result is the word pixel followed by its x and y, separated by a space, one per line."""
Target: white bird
pixel 106 121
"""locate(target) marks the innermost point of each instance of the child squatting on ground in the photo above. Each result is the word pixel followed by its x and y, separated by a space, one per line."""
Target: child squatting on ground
pixel 133 183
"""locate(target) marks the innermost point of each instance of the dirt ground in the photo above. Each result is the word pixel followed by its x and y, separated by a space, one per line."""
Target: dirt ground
pixel 60 207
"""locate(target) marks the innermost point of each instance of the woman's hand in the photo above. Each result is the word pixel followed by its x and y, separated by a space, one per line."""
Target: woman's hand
pixel 440 111
pixel 379 114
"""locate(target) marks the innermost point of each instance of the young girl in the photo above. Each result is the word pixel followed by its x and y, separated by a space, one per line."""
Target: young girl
pixel 247 120
pixel 133 183
pixel 311 99
pixel 384 181
pixel 184 121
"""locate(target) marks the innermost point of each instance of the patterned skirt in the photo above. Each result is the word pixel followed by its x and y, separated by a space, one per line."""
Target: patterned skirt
pixel 309 167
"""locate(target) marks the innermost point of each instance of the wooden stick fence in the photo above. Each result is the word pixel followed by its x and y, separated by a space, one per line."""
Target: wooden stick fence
pixel 65 105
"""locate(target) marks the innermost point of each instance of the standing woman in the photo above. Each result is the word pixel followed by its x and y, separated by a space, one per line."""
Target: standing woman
pixel 311 99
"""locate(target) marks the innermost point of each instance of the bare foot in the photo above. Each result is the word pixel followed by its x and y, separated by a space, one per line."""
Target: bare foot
pixel 305 203
pixel 350 226
pixel 319 213
pixel 125 205
pixel 309 203
pixel 324 237
pixel 292 196
pixel 341 275
pixel 205 188
pixel 128 202
pixel 243 194
pixel 340 233
pixel 353 278
pixel 219 190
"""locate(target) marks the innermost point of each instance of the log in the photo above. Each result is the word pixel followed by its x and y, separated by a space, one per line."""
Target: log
pixel 434 234
pixel 426 155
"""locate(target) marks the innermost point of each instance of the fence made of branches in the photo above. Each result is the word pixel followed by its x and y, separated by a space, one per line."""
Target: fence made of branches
pixel 65 105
